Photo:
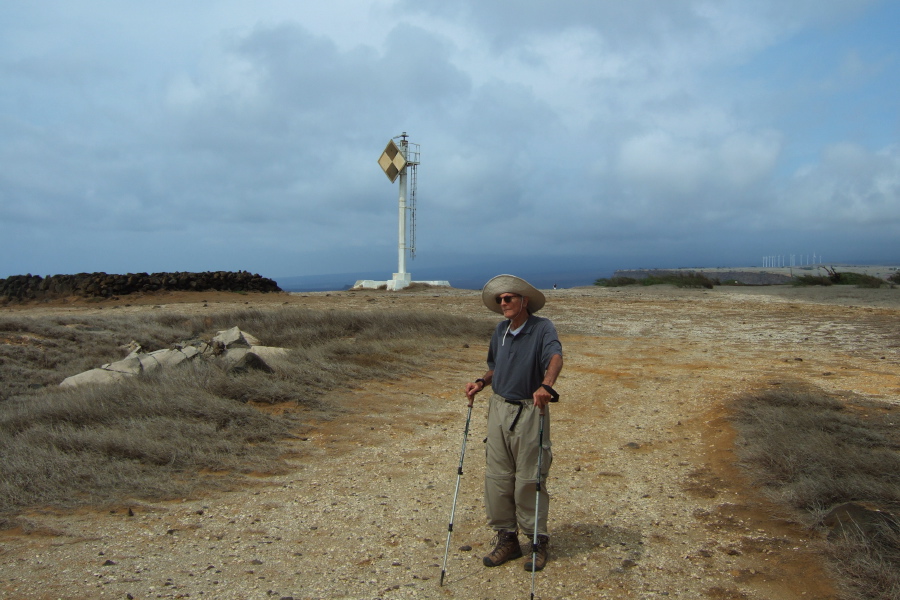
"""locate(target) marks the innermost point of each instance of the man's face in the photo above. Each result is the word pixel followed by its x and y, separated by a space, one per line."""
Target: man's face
pixel 511 304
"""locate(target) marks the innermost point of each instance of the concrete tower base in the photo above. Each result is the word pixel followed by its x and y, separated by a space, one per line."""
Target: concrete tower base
pixel 399 282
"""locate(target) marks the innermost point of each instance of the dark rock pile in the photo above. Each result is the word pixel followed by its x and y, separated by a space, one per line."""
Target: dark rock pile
pixel 103 285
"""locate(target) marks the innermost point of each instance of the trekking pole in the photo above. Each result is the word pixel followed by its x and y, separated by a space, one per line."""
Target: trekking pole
pixel 459 472
pixel 537 502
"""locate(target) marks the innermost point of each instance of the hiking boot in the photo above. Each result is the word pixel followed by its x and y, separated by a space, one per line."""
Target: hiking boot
pixel 541 554
pixel 507 548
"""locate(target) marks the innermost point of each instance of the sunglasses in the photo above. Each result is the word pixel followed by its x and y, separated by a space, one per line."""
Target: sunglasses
pixel 502 299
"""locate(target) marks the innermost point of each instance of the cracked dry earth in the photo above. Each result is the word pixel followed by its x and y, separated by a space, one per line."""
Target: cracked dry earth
pixel 647 501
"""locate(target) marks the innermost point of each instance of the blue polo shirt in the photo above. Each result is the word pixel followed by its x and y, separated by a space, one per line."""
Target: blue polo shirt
pixel 520 361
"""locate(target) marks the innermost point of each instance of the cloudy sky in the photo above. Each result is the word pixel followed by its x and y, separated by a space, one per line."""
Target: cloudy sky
pixel 230 135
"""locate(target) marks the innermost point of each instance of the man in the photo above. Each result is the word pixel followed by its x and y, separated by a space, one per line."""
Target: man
pixel 524 360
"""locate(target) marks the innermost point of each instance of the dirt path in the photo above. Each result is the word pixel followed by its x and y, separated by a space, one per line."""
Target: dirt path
pixel 646 499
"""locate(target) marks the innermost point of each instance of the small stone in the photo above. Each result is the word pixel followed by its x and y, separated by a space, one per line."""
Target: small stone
pixel 109 563
pixel 467 548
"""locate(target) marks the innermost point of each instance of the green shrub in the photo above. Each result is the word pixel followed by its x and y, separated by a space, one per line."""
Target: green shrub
pixel 859 280
pixel 616 281
pixel 682 280
pixel 836 278
pixel 807 280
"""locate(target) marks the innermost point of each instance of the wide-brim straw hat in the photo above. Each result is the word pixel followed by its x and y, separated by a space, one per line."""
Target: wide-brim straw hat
pixel 510 284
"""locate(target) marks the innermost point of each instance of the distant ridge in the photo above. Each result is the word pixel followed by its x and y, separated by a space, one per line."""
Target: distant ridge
pixel 764 275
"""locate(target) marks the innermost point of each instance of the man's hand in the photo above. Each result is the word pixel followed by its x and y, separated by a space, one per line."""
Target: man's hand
pixel 476 386
pixel 541 398
pixel 542 395
pixel 472 388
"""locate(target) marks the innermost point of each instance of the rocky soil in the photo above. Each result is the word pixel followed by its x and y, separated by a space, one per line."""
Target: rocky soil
pixel 647 501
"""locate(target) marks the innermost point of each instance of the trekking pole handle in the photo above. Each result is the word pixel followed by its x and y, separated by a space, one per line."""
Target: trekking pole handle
pixel 554 395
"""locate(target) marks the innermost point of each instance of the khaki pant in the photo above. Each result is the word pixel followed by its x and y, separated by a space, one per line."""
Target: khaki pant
pixel 511 468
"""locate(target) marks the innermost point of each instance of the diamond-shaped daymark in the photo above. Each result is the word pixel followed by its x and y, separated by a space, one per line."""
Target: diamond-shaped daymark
pixel 392 161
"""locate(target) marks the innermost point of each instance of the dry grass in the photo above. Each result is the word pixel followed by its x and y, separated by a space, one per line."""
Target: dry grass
pixel 152 437
pixel 869 563
pixel 810 452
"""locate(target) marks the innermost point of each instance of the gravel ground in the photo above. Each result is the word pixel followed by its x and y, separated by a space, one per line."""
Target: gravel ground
pixel 646 499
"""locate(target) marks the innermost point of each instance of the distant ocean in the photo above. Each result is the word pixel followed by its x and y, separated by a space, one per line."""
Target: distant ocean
pixel 543 275
pixel 458 277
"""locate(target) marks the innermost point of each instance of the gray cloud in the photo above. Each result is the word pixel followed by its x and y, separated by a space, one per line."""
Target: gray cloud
pixel 589 129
